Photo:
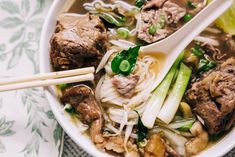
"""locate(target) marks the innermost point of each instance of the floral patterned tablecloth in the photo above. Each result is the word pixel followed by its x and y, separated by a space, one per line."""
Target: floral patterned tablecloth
pixel 27 125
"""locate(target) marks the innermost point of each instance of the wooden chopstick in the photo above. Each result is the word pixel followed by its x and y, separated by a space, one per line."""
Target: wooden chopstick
pixel 54 78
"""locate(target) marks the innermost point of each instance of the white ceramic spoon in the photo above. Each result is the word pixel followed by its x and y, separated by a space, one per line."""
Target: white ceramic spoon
pixel 173 45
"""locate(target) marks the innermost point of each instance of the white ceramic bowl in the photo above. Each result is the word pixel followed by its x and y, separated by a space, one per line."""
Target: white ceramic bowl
pixel 71 128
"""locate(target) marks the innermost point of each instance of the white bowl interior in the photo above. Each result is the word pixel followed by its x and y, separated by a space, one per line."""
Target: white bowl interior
pixel 71 128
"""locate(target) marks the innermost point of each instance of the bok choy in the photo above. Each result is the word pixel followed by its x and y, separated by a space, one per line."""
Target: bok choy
pixel 158 96
pixel 174 98
pixel 227 20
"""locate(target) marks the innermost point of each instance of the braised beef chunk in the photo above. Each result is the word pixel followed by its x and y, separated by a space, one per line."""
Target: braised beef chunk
pixel 213 97
pixel 230 42
pixel 125 85
pixel 82 99
pixel 78 41
pixel 158 19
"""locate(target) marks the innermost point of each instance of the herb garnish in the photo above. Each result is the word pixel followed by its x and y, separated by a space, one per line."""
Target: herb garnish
pixel 71 110
pixel 142 131
pixel 139 3
pixel 191 4
pixel 205 63
pixel 125 61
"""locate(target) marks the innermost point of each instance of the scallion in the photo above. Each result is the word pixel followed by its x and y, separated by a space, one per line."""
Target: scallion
pixel 153 28
pixel 62 86
pixel 173 100
pixel 197 51
pixel 123 33
pixel 187 17
pixel 124 66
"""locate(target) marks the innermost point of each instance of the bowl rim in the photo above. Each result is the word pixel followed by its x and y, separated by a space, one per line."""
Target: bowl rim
pixel 227 143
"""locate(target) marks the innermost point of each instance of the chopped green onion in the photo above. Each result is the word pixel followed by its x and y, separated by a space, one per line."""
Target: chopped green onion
pixel 124 66
pixel 191 4
pixel 153 28
pixel 142 144
pixel 62 86
pixel 139 3
pixel 205 65
pixel 187 17
pixel 129 55
pixel 116 20
pixel 197 51
pixel 123 33
pixel 186 127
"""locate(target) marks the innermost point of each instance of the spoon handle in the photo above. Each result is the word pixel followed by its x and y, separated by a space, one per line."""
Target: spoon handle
pixel 203 19
pixel 181 38
pixel 176 43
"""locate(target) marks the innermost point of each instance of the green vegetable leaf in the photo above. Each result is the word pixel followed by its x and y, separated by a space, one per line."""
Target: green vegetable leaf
pixel 186 127
pixel 139 3
pixel 116 20
pixel 71 110
pixel 227 20
pixel 130 56
pixel 198 51
pixel 191 4
pixel 62 86
pixel 123 33
pixel 142 131
pixel 187 17
pixel 205 65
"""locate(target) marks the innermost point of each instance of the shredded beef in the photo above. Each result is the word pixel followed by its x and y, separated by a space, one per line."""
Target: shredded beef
pixel 213 97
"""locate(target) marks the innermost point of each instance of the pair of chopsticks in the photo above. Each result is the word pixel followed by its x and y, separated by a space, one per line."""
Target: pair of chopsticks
pixel 42 80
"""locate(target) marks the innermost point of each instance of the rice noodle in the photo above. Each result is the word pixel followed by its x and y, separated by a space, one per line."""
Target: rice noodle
pixel 127 135
pixel 98 4
pixel 207 40
pixel 97 89
pixel 122 111
pixel 124 44
pixel 105 59
pixel 213 30
pixel 124 5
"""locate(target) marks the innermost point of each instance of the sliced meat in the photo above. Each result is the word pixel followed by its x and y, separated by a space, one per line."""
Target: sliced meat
pixel 78 41
pixel 154 4
pixel 116 144
pixel 82 99
pixel 230 42
pixel 164 14
pixel 174 12
pixel 125 86
pixel 213 97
